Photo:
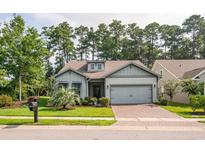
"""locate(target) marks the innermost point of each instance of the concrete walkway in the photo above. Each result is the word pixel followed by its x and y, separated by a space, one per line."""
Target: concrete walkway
pixel 113 127
pixel 60 118
pixel 110 118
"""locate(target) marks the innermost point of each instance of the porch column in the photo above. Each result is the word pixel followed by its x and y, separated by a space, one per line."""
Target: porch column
pixel 87 88
pixel 204 88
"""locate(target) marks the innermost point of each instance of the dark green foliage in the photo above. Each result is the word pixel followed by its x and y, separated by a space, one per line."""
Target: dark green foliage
pixel 163 101
pixel 104 101
pixel 91 100
pixel 5 101
pixel 192 87
pixel 196 101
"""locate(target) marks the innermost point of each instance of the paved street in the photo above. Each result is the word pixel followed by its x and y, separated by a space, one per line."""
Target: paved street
pixel 135 122
pixel 100 133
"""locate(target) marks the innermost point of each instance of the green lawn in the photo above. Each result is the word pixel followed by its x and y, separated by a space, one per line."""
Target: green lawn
pixel 49 112
pixel 79 111
pixel 56 122
pixel 183 110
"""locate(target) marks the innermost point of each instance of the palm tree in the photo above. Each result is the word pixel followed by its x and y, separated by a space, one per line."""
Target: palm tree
pixel 65 96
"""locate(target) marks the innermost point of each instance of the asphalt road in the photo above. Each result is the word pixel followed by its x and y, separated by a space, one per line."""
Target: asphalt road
pixel 12 133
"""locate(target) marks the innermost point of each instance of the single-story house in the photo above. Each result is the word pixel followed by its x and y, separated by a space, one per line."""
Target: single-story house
pixel 179 70
pixel 124 82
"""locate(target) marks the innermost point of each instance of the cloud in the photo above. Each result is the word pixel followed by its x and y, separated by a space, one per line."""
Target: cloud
pixel 51 18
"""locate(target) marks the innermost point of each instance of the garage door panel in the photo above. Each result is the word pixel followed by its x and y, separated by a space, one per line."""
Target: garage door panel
pixel 131 94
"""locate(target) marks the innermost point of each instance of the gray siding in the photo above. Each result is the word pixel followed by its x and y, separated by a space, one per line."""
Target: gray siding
pixel 131 70
pixel 132 75
pixel 202 77
pixel 72 77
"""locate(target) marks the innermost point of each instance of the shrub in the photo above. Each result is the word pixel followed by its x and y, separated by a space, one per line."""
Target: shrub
pixel 202 102
pixel 43 101
pixel 192 87
pixel 91 100
pixel 84 101
pixel 163 101
pixel 171 88
pixel 195 102
pixel 65 98
pixel 5 101
pixel 104 101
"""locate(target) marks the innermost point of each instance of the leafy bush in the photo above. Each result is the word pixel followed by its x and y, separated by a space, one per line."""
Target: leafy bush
pixel 91 100
pixel 192 87
pixel 163 101
pixel 195 102
pixel 5 101
pixel 44 101
pixel 65 98
pixel 171 88
pixel 104 101
pixel 202 102
pixel 84 101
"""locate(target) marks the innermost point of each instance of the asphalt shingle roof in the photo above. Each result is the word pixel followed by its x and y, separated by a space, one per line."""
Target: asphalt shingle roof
pixel 193 73
pixel 110 66
pixel 180 67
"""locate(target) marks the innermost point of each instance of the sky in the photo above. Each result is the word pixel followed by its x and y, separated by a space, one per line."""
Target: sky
pixel 40 20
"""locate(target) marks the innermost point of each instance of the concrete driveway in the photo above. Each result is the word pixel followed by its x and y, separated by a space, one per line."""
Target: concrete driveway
pixel 149 115
pixel 141 111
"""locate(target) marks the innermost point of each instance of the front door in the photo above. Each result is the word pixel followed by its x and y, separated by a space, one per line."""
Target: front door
pixel 96 91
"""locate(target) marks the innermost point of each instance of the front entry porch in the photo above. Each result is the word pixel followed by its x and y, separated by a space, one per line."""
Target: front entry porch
pixel 96 88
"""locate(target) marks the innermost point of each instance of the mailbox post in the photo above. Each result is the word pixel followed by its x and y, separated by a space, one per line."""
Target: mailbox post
pixel 33 106
pixel 35 110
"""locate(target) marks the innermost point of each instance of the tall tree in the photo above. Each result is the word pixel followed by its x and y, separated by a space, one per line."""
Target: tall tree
pixel 202 36
pixel 133 43
pixel 117 32
pixel 60 41
pixel 24 51
pixel 192 27
pixel 81 33
pixel 105 42
pixel 152 42
pixel 165 37
pixel 174 42
pixel 91 41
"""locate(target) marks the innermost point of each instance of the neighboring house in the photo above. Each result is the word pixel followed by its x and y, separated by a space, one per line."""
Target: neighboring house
pixel 178 70
pixel 124 82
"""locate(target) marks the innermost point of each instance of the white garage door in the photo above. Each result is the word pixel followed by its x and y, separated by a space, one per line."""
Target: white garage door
pixel 131 94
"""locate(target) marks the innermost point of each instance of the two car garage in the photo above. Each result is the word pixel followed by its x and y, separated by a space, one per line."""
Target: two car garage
pixel 130 94
pixel 131 85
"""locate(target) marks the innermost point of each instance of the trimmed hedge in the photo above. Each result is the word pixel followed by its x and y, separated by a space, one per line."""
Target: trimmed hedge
pixel 104 101
pixel 5 100
pixel 197 102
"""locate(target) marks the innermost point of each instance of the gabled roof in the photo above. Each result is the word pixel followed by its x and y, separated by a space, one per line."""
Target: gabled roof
pixel 179 67
pixel 110 66
pixel 193 73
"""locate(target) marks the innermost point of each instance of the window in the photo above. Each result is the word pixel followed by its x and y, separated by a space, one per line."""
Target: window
pixel 92 66
pixel 161 72
pixel 76 87
pixel 99 66
pixel 63 85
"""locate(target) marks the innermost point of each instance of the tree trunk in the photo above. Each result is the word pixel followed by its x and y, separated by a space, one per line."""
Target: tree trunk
pixel 20 88
pixel 193 47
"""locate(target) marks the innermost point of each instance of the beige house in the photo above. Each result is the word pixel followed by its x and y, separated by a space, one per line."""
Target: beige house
pixel 124 82
pixel 179 70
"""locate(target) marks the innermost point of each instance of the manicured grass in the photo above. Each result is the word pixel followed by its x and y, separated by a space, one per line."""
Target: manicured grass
pixel 183 110
pixel 56 122
pixel 49 112
pixel 44 111
pixel 43 101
